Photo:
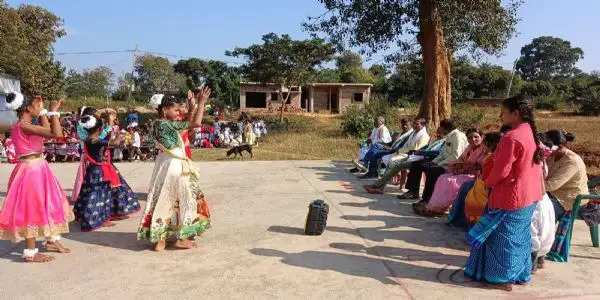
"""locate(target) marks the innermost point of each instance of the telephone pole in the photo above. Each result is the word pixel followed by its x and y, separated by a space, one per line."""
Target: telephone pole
pixel 132 85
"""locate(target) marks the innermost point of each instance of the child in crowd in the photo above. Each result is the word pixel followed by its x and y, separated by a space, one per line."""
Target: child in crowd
pixel 35 205
pixel 135 144
pixel 11 155
pixel 104 195
pixel 3 157
pixel 176 206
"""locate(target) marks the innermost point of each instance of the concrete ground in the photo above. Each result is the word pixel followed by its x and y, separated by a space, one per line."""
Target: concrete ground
pixel 373 248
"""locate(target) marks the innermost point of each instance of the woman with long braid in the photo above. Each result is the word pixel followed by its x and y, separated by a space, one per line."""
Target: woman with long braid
pixel 501 240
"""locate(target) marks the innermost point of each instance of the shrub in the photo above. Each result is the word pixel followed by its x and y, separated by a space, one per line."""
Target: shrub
pixel 356 121
pixel 466 116
pixel 539 88
pixel 359 122
pixel 549 102
pixel 589 101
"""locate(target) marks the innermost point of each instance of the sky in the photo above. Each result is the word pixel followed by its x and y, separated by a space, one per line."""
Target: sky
pixel 206 29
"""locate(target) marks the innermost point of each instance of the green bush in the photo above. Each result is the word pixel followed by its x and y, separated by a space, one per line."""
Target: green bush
pixel 589 101
pixel 357 122
pixel 466 116
pixel 549 102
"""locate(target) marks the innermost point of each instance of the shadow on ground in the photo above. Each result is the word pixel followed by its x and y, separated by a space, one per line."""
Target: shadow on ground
pixel 397 223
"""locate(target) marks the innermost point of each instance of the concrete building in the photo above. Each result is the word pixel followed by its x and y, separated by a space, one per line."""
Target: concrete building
pixel 329 98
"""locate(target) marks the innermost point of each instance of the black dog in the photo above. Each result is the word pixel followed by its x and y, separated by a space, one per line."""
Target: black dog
pixel 239 149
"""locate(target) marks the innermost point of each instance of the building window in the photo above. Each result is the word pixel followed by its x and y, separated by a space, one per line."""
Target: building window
pixel 256 100
pixel 357 97
pixel 274 96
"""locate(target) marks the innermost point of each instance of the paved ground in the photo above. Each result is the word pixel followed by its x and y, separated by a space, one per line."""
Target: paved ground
pixel 374 247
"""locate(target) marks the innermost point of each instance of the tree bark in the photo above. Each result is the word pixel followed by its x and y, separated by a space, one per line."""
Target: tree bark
pixel 437 92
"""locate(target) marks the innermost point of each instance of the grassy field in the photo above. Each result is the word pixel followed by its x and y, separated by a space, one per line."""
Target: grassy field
pixel 313 138
pixel 320 138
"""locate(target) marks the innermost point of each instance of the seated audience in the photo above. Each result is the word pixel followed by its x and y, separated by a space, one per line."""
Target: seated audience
pixel 380 136
pixel 400 165
pixel 376 153
pixel 567 179
pixel 455 145
pixel 464 169
pixel 472 196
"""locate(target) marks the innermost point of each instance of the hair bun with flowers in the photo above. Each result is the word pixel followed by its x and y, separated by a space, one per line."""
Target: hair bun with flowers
pixel 156 100
pixel 14 100
pixel 88 122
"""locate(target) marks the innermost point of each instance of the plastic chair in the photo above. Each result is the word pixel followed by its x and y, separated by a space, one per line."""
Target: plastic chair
pixel 592 196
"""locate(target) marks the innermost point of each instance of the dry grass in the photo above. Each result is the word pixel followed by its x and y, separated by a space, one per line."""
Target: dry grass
pixel 315 138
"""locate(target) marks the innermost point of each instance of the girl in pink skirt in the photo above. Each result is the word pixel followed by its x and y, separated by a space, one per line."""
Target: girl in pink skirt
pixel 35 205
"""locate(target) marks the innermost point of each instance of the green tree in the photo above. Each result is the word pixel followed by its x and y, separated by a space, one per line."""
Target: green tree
pixel 548 58
pixel 441 29
pixel 221 78
pixel 327 75
pixel 27 34
pixel 156 74
pixel 380 83
pixel 283 61
pixel 348 60
pixel 96 82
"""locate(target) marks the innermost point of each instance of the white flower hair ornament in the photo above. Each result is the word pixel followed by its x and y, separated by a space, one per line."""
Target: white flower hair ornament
pixel 14 100
pixel 88 122
pixel 156 100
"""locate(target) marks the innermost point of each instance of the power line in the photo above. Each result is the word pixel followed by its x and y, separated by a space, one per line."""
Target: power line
pixel 93 52
pixel 134 50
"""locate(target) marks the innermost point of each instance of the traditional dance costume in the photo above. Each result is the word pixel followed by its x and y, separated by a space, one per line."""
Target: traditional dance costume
pixel 104 193
pixel 35 204
pixel 82 133
pixel 176 206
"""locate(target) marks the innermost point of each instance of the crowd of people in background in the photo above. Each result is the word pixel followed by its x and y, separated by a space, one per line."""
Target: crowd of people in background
pixel 511 188
pixel 136 142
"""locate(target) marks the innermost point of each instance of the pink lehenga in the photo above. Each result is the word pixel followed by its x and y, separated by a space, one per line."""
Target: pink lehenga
pixel 35 204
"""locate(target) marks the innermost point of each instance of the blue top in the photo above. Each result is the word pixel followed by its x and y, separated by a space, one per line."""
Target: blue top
pixel 83 134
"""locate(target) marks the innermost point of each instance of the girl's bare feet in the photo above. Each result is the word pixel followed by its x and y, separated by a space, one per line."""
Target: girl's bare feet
pixel 185 244
pixel 57 246
pixel 39 258
pixel 109 224
pixel 160 246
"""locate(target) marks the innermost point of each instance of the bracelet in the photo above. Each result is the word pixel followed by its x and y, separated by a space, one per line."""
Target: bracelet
pixel 43 112
pixel 53 113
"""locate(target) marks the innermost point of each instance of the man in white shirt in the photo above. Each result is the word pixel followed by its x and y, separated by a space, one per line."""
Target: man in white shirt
pixel 379 139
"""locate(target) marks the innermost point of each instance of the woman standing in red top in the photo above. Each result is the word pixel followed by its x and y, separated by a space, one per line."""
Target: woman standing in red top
pixel 501 240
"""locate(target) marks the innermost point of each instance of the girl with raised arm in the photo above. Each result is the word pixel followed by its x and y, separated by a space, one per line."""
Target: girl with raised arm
pixel 35 205
pixel 176 207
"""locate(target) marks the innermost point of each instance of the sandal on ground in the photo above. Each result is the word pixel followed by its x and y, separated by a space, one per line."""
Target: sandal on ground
pixel 57 247
pixel 408 196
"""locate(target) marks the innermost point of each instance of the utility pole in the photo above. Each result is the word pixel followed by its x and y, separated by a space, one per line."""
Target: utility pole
pixel 512 75
pixel 132 85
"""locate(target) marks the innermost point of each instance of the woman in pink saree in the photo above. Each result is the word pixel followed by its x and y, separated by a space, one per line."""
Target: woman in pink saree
pixel 464 169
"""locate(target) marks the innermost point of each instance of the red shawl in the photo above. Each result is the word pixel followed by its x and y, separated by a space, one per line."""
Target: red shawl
pixel 109 172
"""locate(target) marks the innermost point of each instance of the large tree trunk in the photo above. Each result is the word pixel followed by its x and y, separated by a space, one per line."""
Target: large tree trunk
pixel 437 93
